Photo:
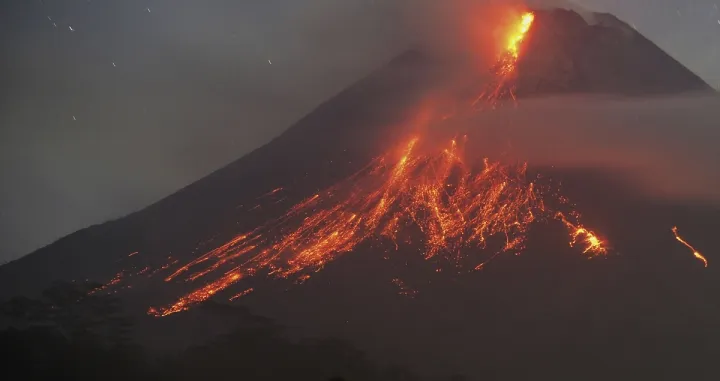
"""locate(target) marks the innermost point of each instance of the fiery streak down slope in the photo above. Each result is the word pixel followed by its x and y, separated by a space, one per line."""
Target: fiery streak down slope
pixel 504 70
pixel 696 253
pixel 451 204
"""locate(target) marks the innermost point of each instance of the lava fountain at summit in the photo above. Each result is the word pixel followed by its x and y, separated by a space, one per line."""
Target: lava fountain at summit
pixel 502 83
pixel 518 36
pixel 436 202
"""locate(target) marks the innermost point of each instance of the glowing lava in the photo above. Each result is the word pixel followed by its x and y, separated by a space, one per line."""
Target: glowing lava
pixel 502 85
pixel 695 253
pixel 437 197
pixel 578 233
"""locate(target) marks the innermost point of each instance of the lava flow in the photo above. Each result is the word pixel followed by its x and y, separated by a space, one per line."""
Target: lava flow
pixel 504 70
pixel 432 200
pixel 451 205
pixel 695 253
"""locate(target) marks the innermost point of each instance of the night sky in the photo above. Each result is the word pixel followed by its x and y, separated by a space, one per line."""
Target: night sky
pixel 107 106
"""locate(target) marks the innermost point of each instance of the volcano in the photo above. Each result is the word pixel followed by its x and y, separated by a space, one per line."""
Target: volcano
pixel 351 223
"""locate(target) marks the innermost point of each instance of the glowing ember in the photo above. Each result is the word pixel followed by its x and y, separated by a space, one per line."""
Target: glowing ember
pixel 113 282
pixel 241 294
pixel 519 34
pixel 200 295
pixel 579 234
pixel 403 289
pixel 695 253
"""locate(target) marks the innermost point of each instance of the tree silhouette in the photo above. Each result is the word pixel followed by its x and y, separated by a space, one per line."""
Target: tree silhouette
pixel 75 332
pixel 260 349
pixel 73 309
pixel 70 331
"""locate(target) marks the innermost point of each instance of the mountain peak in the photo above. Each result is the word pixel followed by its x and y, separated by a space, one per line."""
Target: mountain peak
pixel 597 53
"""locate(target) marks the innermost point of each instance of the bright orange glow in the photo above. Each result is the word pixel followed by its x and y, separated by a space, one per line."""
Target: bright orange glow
pixel 518 35
pixel 695 253
pixel 504 70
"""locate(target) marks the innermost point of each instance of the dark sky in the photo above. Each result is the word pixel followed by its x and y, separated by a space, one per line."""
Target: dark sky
pixel 107 106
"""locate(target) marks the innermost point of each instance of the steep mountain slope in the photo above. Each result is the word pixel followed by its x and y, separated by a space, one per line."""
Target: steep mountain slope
pixel 334 140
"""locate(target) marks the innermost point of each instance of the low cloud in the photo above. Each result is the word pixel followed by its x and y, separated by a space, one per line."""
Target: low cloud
pixel 666 146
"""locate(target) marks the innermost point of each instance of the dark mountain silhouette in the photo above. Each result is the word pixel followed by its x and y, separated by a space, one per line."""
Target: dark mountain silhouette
pixel 649 312
pixel 563 54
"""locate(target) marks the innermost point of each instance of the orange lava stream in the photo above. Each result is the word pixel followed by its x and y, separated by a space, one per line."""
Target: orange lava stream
pixel 241 294
pixel 504 70
pixel 518 35
pixel 695 253
pixel 451 205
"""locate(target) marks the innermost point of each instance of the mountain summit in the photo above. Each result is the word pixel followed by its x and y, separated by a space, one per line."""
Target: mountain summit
pixel 567 54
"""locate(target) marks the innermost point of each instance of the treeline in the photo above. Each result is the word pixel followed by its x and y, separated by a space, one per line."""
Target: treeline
pixel 72 333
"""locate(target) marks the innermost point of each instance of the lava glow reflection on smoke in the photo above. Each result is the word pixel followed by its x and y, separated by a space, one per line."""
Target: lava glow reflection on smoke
pixel 456 208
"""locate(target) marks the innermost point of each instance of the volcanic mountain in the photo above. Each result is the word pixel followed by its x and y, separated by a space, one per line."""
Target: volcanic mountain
pixel 336 190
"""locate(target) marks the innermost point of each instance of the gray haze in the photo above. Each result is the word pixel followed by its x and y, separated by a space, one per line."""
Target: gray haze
pixel 664 147
pixel 107 106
